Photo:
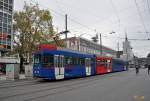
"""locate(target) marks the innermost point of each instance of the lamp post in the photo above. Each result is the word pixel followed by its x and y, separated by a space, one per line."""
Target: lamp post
pixel 101 48
pixel 100 38
pixel 79 38
pixel 79 41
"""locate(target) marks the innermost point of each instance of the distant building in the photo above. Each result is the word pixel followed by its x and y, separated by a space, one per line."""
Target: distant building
pixel 87 46
pixel 127 51
pixel 6 14
pixel 119 53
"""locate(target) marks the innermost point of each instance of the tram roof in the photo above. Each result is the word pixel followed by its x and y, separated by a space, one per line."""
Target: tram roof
pixel 65 53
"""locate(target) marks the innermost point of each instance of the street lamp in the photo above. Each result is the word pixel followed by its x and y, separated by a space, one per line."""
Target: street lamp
pixel 64 32
pixel 79 40
pixel 79 37
pixel 100 38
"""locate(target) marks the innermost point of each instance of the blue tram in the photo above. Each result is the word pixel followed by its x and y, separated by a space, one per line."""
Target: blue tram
pixel 60 64
pixel 52 63
pixel 118 65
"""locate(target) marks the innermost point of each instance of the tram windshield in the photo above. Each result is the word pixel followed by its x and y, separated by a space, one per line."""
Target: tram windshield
pixel 37 59
pixel 47 60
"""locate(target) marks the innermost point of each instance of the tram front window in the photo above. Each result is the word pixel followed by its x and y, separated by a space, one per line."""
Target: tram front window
pixel 37 59
pixel 48 61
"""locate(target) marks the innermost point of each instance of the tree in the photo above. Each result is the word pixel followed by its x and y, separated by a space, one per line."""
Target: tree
pixel 148 56
pixel 31 26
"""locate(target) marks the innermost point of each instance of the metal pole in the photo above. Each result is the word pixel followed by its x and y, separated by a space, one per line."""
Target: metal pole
pixel 66 26
pixel 66 30
pixel 101 50
pixel 118 46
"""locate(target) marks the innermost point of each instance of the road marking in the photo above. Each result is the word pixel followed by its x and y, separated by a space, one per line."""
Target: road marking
pixel 139 97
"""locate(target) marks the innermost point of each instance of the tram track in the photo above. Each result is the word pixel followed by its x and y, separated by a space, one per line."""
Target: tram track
pixel 25 84
pixel 12 84
pixel 69 86
pixel 15 81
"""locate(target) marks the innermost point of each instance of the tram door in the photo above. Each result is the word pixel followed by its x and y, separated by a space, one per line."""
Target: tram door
pixel 59 66
pixel 88 66
pixel 108 65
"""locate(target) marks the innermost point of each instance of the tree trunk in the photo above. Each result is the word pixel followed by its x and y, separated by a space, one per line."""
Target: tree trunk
pixel 21 63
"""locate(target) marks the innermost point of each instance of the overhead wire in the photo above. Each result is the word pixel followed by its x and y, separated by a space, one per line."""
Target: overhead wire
pixel 85 26
pixel 148 6
pixel 91 13
pixel 56 12
pixel 116 13
pixel 141 19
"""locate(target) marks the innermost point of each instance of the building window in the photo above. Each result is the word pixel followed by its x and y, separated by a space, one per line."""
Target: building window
pixel 11 2
pixel 10 10
pixel 6 1
pixel 9 20
pixel 5 25
pixel 4 30
pixel 8 47
pixel 9 31
pixel 1 7
pixel 0 29
pixel 6 5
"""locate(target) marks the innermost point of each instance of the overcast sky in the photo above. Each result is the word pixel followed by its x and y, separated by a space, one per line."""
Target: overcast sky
pixel 102 16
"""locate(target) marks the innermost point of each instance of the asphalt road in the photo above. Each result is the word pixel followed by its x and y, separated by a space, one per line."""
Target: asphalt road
pixel 122 86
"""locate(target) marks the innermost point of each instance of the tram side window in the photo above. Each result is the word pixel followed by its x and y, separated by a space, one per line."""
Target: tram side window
pixel 37 59
pixel 88 62
pixel 108 63
pixel 92 61
pixel 48 60
pixel 68 60
pixel 101 63
pixel 105 63
pixel 82 61
pixel 75 60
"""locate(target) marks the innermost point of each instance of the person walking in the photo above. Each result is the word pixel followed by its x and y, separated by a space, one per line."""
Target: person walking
pixel 148 69
pixel 148 63
pixel 136 64
pixel 137 70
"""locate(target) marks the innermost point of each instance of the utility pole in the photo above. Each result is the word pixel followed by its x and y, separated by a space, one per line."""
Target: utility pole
pixel 66 26
pixel 126 40
pixel 66 30
pixel 100 39
pixel 126 46
pixel 118 46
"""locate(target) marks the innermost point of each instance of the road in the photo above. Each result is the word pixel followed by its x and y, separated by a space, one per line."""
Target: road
pixel 121 86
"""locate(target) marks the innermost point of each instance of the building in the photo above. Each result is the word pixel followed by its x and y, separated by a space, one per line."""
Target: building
pixel 127 51
pixel 87 46
pixel 6 14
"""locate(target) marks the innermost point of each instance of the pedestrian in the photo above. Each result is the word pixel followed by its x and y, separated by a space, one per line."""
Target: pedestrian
pixel 137 70
pixel 136 64
pixel 127 66
pixel 148 69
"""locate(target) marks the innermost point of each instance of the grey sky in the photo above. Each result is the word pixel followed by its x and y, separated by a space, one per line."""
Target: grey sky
pixel 103 15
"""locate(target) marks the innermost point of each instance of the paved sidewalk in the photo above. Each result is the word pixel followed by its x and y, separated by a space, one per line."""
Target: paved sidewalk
pixel 4 77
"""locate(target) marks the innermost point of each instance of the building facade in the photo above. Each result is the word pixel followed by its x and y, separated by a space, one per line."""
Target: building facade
pixel 128 54
pixel 87 46
pixel 6 15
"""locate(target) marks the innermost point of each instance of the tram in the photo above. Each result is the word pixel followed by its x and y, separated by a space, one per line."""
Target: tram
pixel 103 64
pixel 118 65
pixel 53 63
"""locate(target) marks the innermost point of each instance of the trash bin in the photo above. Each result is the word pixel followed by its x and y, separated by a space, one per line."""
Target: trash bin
pixel 12 71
